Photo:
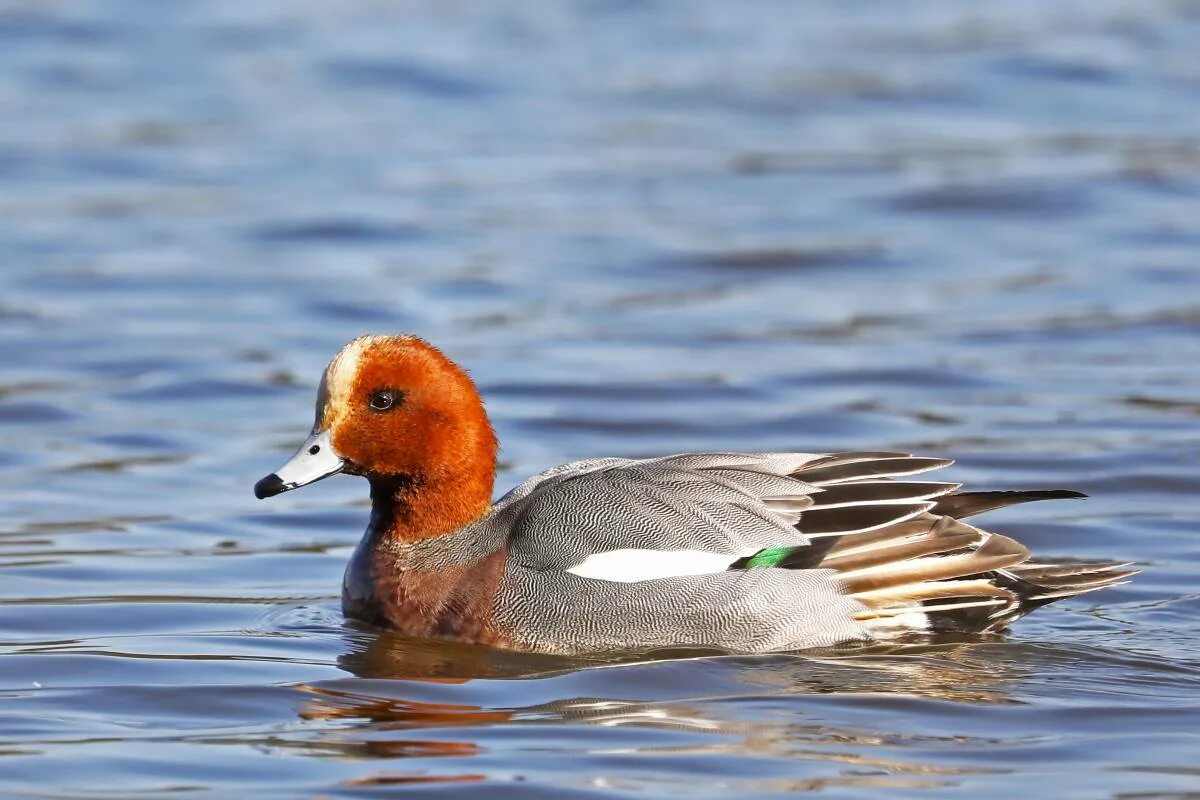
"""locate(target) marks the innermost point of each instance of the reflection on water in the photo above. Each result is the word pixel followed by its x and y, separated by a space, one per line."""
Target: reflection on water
pixel 394 703
pixel 848 716
pixel 944 227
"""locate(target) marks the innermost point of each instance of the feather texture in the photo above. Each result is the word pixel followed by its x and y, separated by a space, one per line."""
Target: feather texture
pixel 966 504
pixel 694 543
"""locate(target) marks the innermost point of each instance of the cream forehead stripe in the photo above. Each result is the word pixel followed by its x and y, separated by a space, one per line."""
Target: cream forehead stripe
pixel 333 397
pixel 334 394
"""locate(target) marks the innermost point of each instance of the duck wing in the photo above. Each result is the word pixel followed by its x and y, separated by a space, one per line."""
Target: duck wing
pixel 763 551
pixel 632 520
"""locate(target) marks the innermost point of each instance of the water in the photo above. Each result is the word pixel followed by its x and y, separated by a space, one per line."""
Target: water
pixel 645 228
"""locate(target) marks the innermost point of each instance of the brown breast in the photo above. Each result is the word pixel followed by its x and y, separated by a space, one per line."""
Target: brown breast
pixel 398 589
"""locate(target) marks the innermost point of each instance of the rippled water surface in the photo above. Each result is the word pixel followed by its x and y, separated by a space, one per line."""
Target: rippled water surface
pixel 959 229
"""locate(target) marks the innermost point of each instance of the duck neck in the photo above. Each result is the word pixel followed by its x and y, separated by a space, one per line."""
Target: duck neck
pixel 408 509
pixel 414 573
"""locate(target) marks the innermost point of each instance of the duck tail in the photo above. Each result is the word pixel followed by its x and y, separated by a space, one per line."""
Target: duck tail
pixel 967 504
pixel 900 548
pixel 954 577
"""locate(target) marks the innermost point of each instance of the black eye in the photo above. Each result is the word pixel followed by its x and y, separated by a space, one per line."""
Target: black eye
pixel 386 399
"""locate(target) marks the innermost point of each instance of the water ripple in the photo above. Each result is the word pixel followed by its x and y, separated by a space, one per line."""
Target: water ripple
pixel 967 231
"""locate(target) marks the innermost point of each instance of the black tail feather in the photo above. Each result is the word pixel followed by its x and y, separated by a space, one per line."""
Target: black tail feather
pixel 966 504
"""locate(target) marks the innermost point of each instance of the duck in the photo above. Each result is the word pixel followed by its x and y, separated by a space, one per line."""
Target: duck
pixel 736 552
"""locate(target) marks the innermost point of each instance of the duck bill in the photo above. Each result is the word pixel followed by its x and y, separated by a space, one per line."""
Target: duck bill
pixel 316 459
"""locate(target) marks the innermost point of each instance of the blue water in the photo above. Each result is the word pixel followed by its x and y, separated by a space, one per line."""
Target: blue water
pixel 645 227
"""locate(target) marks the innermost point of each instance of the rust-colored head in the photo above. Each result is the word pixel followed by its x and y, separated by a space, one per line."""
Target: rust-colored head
pixel 395 406
pixel 396 410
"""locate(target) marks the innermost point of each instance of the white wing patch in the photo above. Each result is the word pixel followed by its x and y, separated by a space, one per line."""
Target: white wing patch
pixel 631 564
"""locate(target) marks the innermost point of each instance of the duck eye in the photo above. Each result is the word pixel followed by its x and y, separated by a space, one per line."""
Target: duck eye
pixel 385 400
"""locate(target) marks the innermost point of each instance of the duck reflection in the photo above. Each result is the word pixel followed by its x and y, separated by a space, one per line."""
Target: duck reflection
pixel 441 707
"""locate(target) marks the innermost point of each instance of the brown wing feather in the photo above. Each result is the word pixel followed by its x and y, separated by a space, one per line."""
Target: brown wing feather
pixel 893 466
pixel 966 504
pixel 994 552
pixel 901 550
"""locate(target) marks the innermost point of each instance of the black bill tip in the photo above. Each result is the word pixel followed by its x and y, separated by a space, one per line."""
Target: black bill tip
pixel 269 487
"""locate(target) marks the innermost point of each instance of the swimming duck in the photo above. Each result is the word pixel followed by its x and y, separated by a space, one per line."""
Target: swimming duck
pixel 747 552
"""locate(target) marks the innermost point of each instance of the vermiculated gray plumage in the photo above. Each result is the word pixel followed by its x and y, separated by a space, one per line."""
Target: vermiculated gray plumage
pixel 738 551
pixel 810 550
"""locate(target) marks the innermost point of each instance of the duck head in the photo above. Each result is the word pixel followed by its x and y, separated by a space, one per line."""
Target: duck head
pixel 395 410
